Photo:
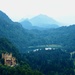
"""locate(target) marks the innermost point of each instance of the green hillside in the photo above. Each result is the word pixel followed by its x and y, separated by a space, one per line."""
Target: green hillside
pixel 22 42
pixel 21 68
pixel 23 38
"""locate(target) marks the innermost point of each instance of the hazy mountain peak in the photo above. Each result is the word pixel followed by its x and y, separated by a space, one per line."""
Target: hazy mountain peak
pixel 41 15
pixel 42 20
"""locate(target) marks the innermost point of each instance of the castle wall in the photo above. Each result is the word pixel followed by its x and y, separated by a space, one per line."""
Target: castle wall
pixel 8 59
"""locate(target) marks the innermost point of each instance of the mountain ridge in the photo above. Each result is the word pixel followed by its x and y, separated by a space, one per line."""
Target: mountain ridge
pixel 4 17
pixel 23 38
pixel 41 21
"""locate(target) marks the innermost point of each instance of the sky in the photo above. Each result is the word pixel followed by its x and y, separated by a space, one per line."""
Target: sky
pixel 60 10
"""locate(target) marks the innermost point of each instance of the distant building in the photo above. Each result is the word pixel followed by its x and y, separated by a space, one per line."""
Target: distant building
pixel 9 60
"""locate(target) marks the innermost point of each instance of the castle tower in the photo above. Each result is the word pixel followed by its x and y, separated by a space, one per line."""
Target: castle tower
pixel 8 59
pixel 13 61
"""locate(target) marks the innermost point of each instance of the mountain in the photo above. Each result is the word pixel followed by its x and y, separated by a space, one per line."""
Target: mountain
pixel 13 34
pixel 44 21
pixel 22 68
pixel 13 31
pixel 40 22
pixel 23 38
pixel 50 62
pixel 4 17
pixel 28 25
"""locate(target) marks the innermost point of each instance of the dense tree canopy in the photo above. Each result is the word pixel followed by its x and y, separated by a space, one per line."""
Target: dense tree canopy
pixel 21 43
pixel 51 62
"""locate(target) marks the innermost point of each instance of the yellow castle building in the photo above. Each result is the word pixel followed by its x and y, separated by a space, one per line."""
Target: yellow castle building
pixel 9 60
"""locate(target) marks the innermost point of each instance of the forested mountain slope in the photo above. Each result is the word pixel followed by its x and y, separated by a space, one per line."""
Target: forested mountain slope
pixel 23 38
pixel 50 62
pixel 13 31
pixel 22 68
pixel 63 36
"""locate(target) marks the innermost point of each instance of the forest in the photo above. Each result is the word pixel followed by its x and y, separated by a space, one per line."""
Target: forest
pixel 29 47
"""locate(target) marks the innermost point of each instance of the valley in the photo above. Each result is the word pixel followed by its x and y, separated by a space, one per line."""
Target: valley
pixel 48 51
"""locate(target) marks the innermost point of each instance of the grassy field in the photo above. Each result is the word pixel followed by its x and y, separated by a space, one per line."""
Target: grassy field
pixel 46 46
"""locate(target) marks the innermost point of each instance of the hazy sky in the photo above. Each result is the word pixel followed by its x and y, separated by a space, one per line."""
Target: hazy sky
pixel 61 10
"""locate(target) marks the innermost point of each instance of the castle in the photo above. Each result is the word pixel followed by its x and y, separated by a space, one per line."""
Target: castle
pixel 9 60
